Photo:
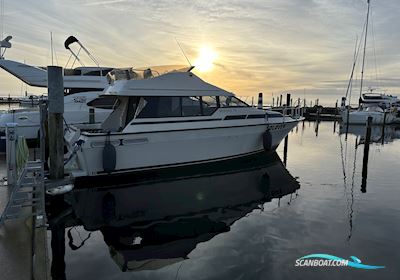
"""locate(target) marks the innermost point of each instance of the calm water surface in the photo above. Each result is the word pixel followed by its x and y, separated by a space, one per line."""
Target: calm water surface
pixel 244 220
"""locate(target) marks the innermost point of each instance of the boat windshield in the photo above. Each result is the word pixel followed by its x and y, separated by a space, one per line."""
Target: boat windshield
pixel 374 109
pixel 144 72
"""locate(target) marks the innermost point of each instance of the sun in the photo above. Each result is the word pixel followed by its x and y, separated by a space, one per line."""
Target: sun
pixel 205 59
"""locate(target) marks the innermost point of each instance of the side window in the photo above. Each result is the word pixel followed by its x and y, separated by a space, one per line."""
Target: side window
pixel 231 101
pixel 161 107
pixel 169 107
pixel 191 106
pixel 210 104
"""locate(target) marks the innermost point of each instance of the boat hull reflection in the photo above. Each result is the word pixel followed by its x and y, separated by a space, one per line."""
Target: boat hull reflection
pixel 154 223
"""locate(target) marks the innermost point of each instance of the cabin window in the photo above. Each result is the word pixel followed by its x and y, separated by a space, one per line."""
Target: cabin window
pixel 92 73
pixel 103 102
pixel 191 106
pixel 231 101
pixel 131 109
pixel 161 107
pixel 209 104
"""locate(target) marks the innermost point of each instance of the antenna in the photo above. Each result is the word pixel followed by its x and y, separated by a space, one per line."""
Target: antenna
pixel 51 46
pixel 365 46
pixel 2 26
pixel 183 52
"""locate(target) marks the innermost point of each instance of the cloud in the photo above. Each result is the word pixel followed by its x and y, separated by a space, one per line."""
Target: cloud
pixel 270 46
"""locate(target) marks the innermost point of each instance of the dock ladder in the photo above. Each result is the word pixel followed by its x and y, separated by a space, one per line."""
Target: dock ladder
pixel 25 180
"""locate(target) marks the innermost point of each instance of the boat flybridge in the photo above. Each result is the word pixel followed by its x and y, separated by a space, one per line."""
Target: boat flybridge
pixel 379 99
pixel 81 85
pixel 165 118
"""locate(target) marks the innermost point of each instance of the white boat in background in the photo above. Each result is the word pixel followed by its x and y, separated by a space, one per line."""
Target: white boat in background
pixel 381 107
pixel 76 111
pixel 379 99
pixel 77 79
pixel 379 116
pixel 81 85
pixel 31 100
pixel 170 118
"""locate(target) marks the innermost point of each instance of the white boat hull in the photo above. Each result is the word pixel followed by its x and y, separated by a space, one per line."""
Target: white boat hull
pixel 361 117
pixel 139 151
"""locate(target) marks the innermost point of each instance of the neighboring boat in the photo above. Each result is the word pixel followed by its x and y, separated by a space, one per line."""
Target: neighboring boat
pixel 170 119
pixel 81 85
pixel 77 79
pixel 76 111
pixel 379 116
pixel 31 100
pixel 158 219
pixel 379 99
pixel 381 107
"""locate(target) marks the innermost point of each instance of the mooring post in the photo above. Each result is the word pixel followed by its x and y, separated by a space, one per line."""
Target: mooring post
pixel 260 101
pixel 55 121
pixel 273 101
pixel 288 100
pixel 285 150
pixel 11 139
pixel 280 101
pixel 383 128
pixel 366 155
pixel 91 115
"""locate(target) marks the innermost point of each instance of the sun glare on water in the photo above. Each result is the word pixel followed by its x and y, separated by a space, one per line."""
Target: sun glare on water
pixel 205 59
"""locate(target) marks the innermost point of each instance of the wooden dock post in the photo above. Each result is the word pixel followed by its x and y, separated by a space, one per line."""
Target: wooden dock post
pixel 280 101
pixel 55 84
pixel 336 108
pixel 260 101
pixel 366 155
pixel 383 128
pixel 285 150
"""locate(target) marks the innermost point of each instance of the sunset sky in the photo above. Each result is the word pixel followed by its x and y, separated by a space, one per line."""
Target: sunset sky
pixel 273 46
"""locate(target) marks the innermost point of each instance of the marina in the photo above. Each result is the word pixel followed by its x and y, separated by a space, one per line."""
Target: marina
pixel 223 156
pixel 303 189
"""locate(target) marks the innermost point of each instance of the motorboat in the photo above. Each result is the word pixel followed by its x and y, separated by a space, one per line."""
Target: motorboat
pixel 76 110
pixel 31 100
pixel 156 221
pixel 379 115
pixel 81 84
pixel 379 99
pixel 78 79
pixel 168 118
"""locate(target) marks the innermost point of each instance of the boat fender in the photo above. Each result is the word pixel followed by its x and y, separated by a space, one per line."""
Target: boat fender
pixel 267 141
pixel 109 156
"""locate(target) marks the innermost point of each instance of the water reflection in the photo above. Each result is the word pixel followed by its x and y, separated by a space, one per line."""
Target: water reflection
pixel 379 134
pixel 159 220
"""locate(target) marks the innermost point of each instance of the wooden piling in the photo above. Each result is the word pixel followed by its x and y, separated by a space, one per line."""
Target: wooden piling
pixel 383 128
pixel 280 101
pixel 365 156
pixel 288 98
pixel 260 101
pixel 55 121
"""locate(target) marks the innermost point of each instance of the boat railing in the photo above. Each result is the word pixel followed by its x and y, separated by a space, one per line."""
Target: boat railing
pixel 293 112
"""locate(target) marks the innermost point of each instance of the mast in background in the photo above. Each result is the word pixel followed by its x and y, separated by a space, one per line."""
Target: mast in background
pixel 365 45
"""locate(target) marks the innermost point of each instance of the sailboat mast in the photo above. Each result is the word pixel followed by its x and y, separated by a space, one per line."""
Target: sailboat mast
pixel 365 46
